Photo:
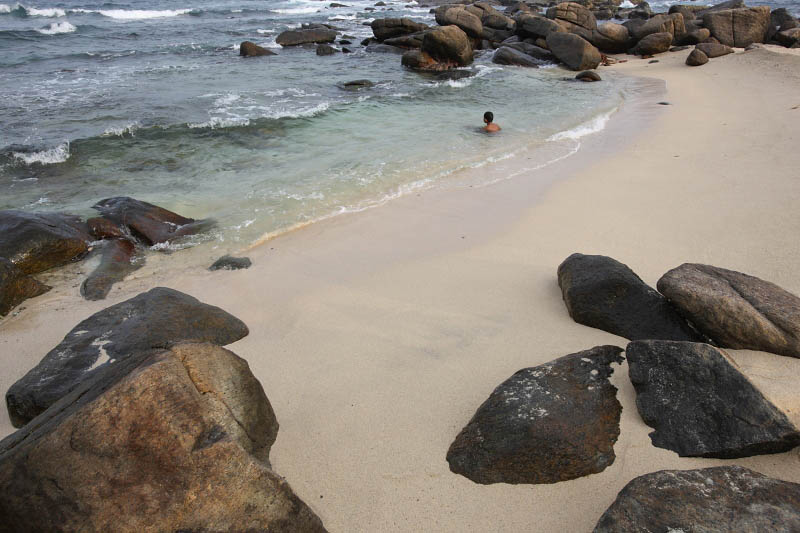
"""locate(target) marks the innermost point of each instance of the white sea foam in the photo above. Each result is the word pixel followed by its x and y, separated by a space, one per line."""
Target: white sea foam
pixel 226 100
pixel 627 4
pixel 296 10
pixel 221 122
pixel 594 125
pixel 135 14
pixel 57 27
pixel 265 32
pixel 37 12
pixel 5 8
pixel 59 154
pixel 120 131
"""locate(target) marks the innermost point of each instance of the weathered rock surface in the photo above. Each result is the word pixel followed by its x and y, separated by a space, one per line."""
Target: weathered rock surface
pixel 655 43
pixel 672 24
pixel 170 440
pixel 545 424
pixel 102 228
pixel 251 49
pixel 735 310
pixel 116 262
pixel 712 500
pixel 505 55
pixel 788 38
pixel 157 318
pixel 574 51
pixel 457 15
pixel 713 50
pixel 701 406
pixel 611 37
pixel 16 286
pixel 227 262
pixel 696 58
pixel 394 27
pixel 378 48
pixel 532 50
pixel 694 36
pixel 738 27
pixel 448 46
pixel 36 242
pixel 149 222
pixel 535 26
pixel 601 292
pixel 574 18
pixel 306 36
pixel 412 40
pixel 326 50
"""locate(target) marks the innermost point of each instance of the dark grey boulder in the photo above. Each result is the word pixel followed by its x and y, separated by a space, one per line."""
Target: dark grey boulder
pixel 735 310
pixel 306 36
pixel 574 51
pixel 696 58
pixel 534 26
pixel 505 55
pixel 117 261
pixel 16 286
pixel 377 48
pixel 157 318
pixel 701 406
pixel 712 50
pixel 386 28
pixel 326 50
pixel 545 424
pixel 780 19
pixel 227 262
pixel 250 49
pixel 720 499
pixel 601 292
pixel 36 242
pixel 788 38
pixel 655 43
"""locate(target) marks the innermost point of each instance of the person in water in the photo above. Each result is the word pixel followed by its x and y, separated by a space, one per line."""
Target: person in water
pixel 490 127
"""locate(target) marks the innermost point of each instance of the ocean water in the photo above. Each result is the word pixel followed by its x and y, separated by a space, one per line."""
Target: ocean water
pixel 151 100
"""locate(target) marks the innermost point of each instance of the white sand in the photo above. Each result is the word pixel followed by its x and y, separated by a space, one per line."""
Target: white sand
pixel 377 335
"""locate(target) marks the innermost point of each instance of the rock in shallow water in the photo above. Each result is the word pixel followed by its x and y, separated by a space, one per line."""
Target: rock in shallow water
pixel 16 286
pixel 36 242
pixel 169 440
pixel 701 406
pixel 117 261
pixel 157 318
pixel 545 424
pixel 250 49
pixel 721 499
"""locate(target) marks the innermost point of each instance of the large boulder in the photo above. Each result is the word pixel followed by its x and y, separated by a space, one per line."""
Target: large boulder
pixel 574 51
pixel 505 55
pixel 149 222
pixel 157 318
pixel 712 50
pixel 610 37
pixel 780 20
pixel 735 310
pixel 306 36
pixel 532 50
pixel 672 24
pixel 601 292
pixel 171 440
pixel 788 38
pixel 448 46
pixel 411 40
pixel 720 499
pixel 458 16
pixel 394 27
pixel 696 58
pixel 116 262
pixel 694 36
pixel 701 406
pixel 655 43
pixel 251 49
pixel 574 18
pixel 739 27
pixel 490 17
pixel 36 242
pixel 16 286
pixel 545 424
pixel 535 26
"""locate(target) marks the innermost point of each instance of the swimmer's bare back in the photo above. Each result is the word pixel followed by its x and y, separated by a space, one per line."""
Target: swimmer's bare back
pixel 491 128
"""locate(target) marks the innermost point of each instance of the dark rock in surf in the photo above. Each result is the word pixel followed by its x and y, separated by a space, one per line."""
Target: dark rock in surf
pixel 355 85
pixel 227 262
pixel 36 242
pixel 102 228
pixel 250 49
pixel 117 261
pixel 16 286
pixel 387 28
pixel 505 55
pixel 306 36
pixel 326 50
pixel 376 48
pixel 532 50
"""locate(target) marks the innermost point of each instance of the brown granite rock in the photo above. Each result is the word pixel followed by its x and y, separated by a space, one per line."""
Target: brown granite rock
pixel 16 286
pixel 739 27
pixel 36 242
pixel 116 262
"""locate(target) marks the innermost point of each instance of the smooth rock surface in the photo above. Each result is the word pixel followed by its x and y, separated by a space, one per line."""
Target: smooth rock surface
pixel 16 286
pixel 251 49
pixel 506 55
pixel 739 27
pixel 387 28
pixel 448 46
pixel 117 261
pixel 36 242
pixel 655 43
pixel 712 50
pixel 227 262
pixel 574 51
pixel 696 58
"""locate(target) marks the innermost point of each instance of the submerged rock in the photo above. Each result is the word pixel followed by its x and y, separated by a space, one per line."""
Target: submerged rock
pixel 545 424
pixel 227 262
pixel 721 499
pixel 116 262
pixel 306 36
pixel 355 85
pixel 250 49
pixel 16 286
pixel 701 406
pixel 169 440
pixel 36 242
pixel 157 318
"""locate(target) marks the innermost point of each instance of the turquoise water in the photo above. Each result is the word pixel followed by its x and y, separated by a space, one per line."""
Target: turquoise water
pixel 107 99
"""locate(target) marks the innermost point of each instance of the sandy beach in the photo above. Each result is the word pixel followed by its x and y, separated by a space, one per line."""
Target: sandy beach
pixel 376 335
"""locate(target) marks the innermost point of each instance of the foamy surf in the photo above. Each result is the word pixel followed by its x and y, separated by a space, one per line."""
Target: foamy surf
pixel 594 125
pixel 28 11
pixel 56 28
pixel 59 154
pixel 135 14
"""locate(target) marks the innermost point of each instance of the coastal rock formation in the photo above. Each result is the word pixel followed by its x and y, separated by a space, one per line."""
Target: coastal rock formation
pixel 694 36
pixel 788 38
pixel 412 40
pixel 157 318
pixel 712 50
pixel 600 292
pixel 655 43
pixel 735 310
pixel 102 228
pixel 696 58
pixel 325 50
pixel 117 262
pixel 574 51
pixel 306 36
pixel 780 20
pixel 16 286
pixel 171 440
pixel 672 24
pixel 377 48
pixel 250 49
pixel 701 406
pixel 574 18
pixel 738 27
pixel 505 55
pixel 457 15
pixel 535 26
pixel 713 500
pixel 545 424
pixel 149 222
pixel 36 242
pixel 442 48
pixel 227 262
pixel 612 38
pixel 532 50
pixel 394 27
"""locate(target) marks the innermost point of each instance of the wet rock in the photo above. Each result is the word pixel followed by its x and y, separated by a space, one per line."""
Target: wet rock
pixel 696 58
pixel 701 406
pixel 713 500
pixel 506 55
pixel 574 51
pixel 149 222
pixel 738 27
pixel 457 15
pixel 102 228
pixel 307 36
pixel 448 46
pixel 545 424
pixel 168 440
pixel 227 262
pixel 250 49
pixel 588 75
pixel 355 85
pixel 376 48
pixel 712 50
pixel 735 310
pixel 326 50
pixel 157 318
pixel 116 262
pixel 412 40
pixel 394 27
pixel 601 292
pixel 36 242
pixel 535 26
pixel 16 286
pixel 655 43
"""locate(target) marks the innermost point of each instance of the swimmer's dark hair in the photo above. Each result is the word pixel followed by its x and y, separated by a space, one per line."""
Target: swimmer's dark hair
pixel 488 116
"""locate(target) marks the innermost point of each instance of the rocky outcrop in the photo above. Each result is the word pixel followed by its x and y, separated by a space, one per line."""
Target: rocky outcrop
pixel 532 50
pixel 442 48
pixel 655 43
pixel 713 500
pixel 672 24
pixel 601 292
pixel 694 36
pixel 712 50
pixel 738 27
pixel 788 38
pixel 394 27
pixel 36 242
pixel 412 40
pixel 696 58
pixel 574 51
pixel 149 222
pixel 506 55
pixel 780 20
pixel 535 26
pixel 735 310
pixel 171 440
pixel 701 406
pixel 16 286
pixel 545 424
pixel 116 262
pixel 251 49
pixel 157 318
pixel 574 18
pixel 306 36
pixel 457 15
pixel 227 262
pixel 102 228
pixel 612 38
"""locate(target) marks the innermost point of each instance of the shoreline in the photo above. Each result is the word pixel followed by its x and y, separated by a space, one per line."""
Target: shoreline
pixel 376 335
